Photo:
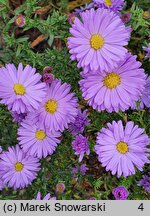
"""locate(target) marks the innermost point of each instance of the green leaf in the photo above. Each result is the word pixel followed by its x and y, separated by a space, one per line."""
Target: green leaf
pixel 50 40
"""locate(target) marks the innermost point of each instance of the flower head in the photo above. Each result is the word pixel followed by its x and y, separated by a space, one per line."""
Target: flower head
pixel 47 197
pixel 145 182
pixel 35 139
pixel 18 169
pixel 20 21
pixel 121 149
pixel 114 90
pixel 59 107
pixel 146 14
pixel 83 169
pixel 60 188
pixel 97 41
pixel 80 145
pixel 74 170
pixel 18 87
pixel 120 193
pixel 147 49
pixel 113 5
pixel 18 118
pixel 48 78
pixel 126 17
pixel 80 122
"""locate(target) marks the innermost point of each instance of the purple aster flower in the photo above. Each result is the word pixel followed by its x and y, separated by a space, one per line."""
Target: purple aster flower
pixel 115 90
pixel 59 107
pixel 60 188
pixel 18 118
pixel 113 5
pixel 18 87
pixel 80 122
pixel 92 198
pixel 97 41
pixel 47 197
pixel 20 21
pixel 147 49
pixel 145 183
pixel 86 7
pixel 80 145
pixel 126 17
pixel 120 193
pixel 18 169
pixel 48 78
pixel 145 98
pixel 120 149
pixel 83 169
pixel 74 170
pixel 36 140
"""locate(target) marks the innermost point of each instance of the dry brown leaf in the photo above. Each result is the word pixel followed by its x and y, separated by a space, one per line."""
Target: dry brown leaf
pixel 43 10
pixel 38 40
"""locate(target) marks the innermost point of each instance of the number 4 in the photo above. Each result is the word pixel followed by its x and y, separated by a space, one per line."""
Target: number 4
pixel 141 207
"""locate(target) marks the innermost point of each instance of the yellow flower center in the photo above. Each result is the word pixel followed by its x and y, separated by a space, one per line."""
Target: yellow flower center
pixel 51 106
pixel 19 20
pixel 59 188
pixel 108 2
pixel 19 89
pixel 18 167
pixel 112 80
pixel 122 147
pixel 97 41
pixel 146 14
pixel 40 134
